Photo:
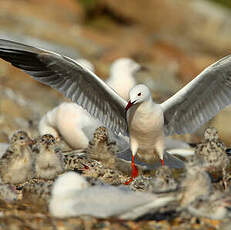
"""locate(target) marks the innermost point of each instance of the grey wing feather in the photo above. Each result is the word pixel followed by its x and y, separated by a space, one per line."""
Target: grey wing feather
pixel 200 100
pixel 74 81
pixel 103 201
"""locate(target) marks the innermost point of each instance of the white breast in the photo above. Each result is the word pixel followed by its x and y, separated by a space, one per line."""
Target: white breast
pixel 145 123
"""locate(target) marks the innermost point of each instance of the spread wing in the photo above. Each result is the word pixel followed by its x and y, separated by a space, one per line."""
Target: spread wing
pixel 70 78
pixel 200 100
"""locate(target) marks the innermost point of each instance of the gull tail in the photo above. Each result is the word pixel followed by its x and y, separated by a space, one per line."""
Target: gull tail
pixel 151 207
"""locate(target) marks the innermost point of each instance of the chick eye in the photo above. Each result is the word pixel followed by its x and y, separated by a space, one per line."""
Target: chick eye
pixel 139 94
pixel 21 137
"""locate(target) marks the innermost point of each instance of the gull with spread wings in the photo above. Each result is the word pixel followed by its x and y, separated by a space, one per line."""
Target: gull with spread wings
pixel 146 122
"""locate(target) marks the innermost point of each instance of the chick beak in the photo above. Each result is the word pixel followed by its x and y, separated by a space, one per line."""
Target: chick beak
pixel 128 105
pixel 30 142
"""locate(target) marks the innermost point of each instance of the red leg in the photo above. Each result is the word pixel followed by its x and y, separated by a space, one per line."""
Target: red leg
pixel 134 171
pixel 134 168
pixel 162 162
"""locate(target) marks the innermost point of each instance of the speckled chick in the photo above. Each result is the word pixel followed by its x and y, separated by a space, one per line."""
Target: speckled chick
pixel 8 193
pixel 212 152
pixel 162 182
pixel 101 148
pixel 49 162
pixel 17 163
pixel 35 191
pixel 78 161
pixel 93 169
pixel 196 184
pixel 217 206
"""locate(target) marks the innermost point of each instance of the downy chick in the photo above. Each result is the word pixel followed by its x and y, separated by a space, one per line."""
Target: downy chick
pixel 101 148
pixel 212 152
pixel 17 163
pixel 48 162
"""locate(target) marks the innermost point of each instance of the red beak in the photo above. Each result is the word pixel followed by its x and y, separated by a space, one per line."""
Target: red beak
pixel 128 105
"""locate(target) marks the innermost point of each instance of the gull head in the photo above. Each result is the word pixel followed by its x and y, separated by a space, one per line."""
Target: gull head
pixel 67 183
pixel 138 94
pixel 124 65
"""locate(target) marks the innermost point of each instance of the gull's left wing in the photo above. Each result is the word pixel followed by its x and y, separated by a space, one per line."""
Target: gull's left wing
pixel 200 100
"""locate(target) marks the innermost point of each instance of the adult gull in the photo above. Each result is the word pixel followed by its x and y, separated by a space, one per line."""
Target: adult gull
pixel 184 112
pixel 72 196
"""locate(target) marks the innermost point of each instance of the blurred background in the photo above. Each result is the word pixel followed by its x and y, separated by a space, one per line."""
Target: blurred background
pixel 175 39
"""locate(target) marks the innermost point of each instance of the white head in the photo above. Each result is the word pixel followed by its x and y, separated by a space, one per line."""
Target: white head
pixel 138 94
pixel 124 65
pixel 85 63
pixel 67 183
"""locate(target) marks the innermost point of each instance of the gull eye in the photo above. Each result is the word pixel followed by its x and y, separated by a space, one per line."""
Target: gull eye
pixel 139 94
pixel 21 137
